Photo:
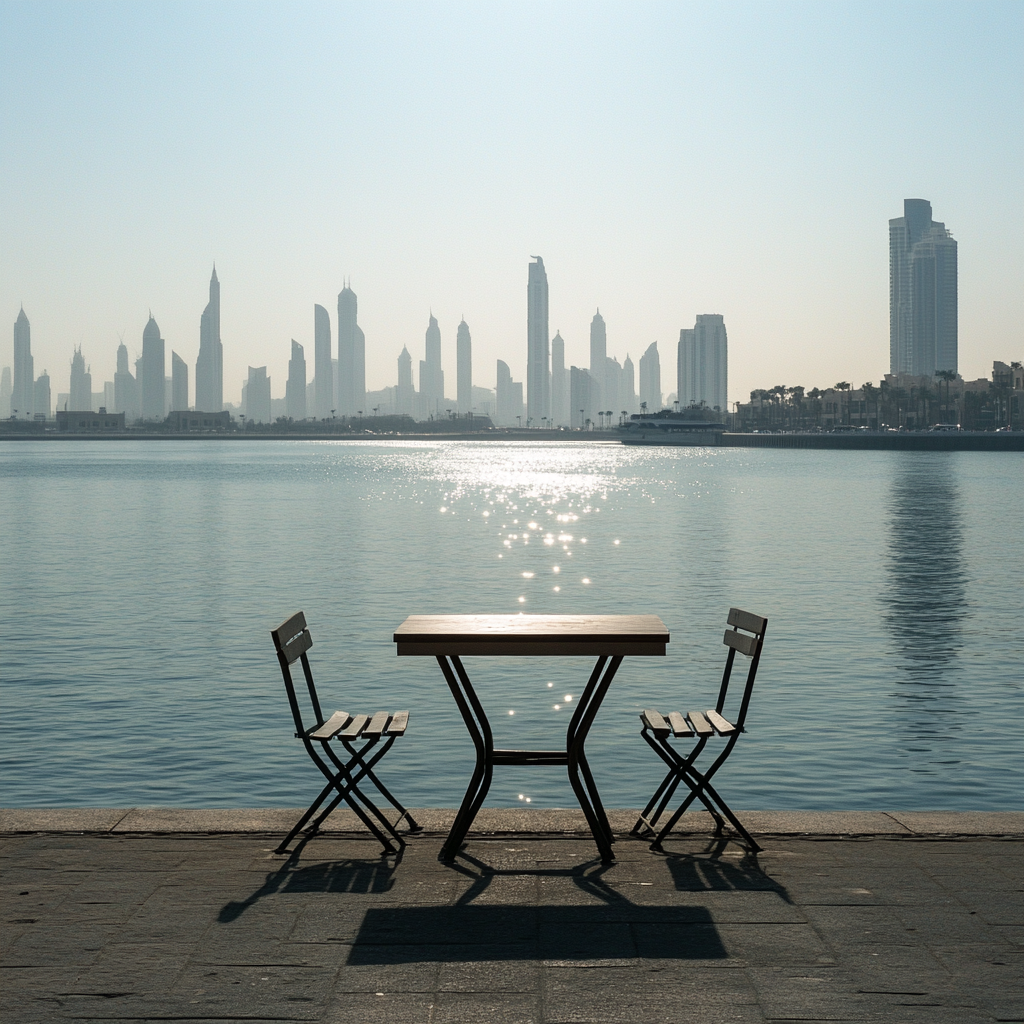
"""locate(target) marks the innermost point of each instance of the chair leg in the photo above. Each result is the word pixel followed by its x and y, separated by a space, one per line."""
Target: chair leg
pixel 403 811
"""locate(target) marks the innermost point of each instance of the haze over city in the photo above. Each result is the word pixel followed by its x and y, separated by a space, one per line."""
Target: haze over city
pixel 665 160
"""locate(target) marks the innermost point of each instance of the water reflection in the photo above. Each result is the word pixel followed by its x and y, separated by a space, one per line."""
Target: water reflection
pixel 925 593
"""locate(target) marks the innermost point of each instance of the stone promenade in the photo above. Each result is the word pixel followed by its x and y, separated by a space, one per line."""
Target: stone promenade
pixel 159 915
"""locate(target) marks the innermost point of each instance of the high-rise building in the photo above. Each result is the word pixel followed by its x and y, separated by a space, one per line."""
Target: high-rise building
pixel 80 397
pixel 559 384
pixel 922 293
pixel 406 392
pixel 464 369
pixel 431 374
pixel 152 383
pixel 351 356
pixel 179 384
pixel 22 395
pixel 504 398
pixel 598 360
pixel 702 364
pixel 126 389
pixel 257 395
pixel 650 379
pixel 295 389
pixel 210 362
pixel 581 398
pixel 538 377
pixel 41 403
pixel 627 389
pixel 322 366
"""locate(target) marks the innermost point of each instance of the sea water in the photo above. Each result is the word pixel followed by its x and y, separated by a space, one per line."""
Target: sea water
pixel 139 582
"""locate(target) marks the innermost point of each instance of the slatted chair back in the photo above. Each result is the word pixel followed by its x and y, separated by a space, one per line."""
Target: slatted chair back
pixel 747 638
pixel 292 640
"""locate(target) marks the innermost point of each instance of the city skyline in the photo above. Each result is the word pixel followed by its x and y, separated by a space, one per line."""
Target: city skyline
pixel 735 159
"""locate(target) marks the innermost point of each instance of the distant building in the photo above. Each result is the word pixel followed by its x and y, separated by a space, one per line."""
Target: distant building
pixel 81 384
pixel 627 388
pixel 508 399
pixel 406 392
pixel 650 378
pixel 431 374
pixel 126 391
pixel 295 389
pixel 87 422
pixel 322 367
pixel 22 394
pixel 6 391
pixel 152 383
pixel 559 383
pixel 922 293
pixel 702 364
pixel 538 381
pixel 184 420
pixel 351 356
pixel 257 396
pixel 581 398
pixel 598 359
pixel 179 382
pixel 41 396
pixel 464 368
pixel 210 362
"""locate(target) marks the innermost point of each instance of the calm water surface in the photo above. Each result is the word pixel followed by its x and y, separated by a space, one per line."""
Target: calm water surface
pixel 139 582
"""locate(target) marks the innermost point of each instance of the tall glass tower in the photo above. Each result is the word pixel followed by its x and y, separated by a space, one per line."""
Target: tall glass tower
pixel 210 362
pixel 538 377
pixel 922 293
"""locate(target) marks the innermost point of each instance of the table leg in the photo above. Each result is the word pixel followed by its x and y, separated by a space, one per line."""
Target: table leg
pixel 576 736
pixel 480 732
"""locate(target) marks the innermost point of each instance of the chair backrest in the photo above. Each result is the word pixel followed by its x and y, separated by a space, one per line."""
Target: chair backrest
pixel 292 640
pixel 746 637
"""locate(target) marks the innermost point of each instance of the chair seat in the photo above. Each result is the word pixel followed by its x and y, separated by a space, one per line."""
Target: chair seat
pixel 699 723
pixel 344 726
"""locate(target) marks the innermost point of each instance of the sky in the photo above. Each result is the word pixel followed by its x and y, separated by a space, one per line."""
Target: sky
pixel 665 159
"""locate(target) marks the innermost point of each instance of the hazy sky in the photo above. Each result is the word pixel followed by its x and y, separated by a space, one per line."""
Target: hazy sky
pixel 666 159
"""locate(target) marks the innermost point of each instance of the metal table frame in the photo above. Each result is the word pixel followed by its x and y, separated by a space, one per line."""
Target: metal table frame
pixel 448 638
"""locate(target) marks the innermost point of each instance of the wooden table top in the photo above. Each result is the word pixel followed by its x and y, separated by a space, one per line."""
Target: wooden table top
pixel 540 635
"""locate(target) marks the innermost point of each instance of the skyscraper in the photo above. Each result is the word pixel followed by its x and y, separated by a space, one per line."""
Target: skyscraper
pixel 538 380
pixel 464 368
pixel 322 367
pixel 179 384
pixel 406 391
pixel 650 379
pixel 152 383
pixel 598 361
pixel 80 398
pixel 126 389
pixel 295 389
pixel 559 384
pixel 627 390
pixel 210 361
pixel 922 293
pixel 702 364
pixel 257 395
pixel 431 374
pixel 41 402
pixel 6 391
pixel 351 356
pixel 22 396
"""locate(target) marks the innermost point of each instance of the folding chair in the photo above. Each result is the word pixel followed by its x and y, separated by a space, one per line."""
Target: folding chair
pixel 746 637
pixel 357 734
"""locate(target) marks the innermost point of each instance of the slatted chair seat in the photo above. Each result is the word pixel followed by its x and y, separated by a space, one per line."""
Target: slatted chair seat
pixel 365 739
pixel 746 638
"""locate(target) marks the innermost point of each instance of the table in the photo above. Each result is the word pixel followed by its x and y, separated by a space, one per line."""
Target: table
pixel 609 638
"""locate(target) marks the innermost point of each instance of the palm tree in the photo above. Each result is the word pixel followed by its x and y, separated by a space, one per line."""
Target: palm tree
pixel 948 376
pixel 871 394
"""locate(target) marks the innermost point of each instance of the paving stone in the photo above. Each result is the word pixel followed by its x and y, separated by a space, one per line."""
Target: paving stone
pixel 521 928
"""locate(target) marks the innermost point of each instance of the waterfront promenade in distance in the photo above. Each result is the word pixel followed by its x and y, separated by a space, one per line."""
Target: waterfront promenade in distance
pixel 145 914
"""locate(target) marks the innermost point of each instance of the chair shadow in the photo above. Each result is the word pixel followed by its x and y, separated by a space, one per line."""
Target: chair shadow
pixel 612 929
pixel 364 876
pixel 710 870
